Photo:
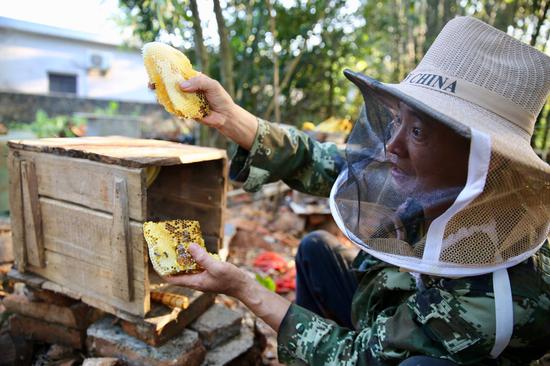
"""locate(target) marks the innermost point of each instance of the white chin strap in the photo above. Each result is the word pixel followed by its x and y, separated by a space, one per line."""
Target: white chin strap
pixel 504 311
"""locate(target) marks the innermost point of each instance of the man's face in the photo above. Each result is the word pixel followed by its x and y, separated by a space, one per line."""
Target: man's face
pixel 429 159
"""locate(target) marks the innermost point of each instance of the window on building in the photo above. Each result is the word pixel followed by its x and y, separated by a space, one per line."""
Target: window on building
pixel 62 83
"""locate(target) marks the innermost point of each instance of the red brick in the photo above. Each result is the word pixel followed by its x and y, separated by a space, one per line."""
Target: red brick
pixel 46 332
pixel 106 339
pixel 163 323
pixel 15 350
pixel 78 315
pixel 51 297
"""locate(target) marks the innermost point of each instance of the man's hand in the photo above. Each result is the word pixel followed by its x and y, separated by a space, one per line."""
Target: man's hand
pixel 222 106
pixel 231 120
pixel 218 276
pixel 223 277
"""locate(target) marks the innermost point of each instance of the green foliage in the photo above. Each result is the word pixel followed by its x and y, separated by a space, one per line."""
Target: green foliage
pixel 110 110
pixel 319 39
pixel 44 126
pixel 266 282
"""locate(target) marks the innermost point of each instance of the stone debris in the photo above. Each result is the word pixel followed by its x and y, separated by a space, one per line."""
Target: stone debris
pixel 231 350
pixel 102 361
pixel 216 325
pixel 106 339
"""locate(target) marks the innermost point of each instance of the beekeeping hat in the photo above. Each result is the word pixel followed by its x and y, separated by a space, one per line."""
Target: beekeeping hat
pixel 487 88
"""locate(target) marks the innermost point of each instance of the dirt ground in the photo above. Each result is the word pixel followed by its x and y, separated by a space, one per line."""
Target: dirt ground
pixel 270 226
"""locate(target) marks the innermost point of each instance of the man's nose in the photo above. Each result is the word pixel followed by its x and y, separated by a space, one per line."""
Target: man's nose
pixel 396 144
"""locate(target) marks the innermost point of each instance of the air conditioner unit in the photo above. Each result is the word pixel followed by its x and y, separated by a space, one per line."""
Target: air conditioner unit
pixel 99 61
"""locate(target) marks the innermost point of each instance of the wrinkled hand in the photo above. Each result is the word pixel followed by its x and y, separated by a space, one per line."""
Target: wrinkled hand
pixel 221 104
pixel 228 118
pixel 218 276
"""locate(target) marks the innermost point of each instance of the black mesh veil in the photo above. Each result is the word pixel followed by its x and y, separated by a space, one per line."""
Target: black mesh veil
pixel 380 212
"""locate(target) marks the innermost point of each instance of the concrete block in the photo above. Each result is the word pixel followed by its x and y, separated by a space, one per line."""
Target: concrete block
pixel 107 339
pixel 102 361
pixel 233 350
pixel 217 325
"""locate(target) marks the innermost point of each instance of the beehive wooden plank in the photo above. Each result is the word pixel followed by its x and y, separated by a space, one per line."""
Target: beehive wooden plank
pixel 86 183
pixel 203 182
pixel 82 259
pixel 16 210
pixel 121 259
pixel 122 151
pixel 32 215
pixel 63 225
pixel 89 280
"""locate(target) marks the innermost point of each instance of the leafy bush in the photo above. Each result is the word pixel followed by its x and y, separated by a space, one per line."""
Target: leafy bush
pixel 45 126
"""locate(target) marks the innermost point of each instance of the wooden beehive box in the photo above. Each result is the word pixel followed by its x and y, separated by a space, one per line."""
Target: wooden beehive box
pixel 78 204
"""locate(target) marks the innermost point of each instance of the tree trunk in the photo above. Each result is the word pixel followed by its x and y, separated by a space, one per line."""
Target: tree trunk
pixel 540 20
pixel 420 32
pixel 288 75
pixel 449 10
pixel 202 55
pixel 245 66
pixel 432 23
pixel 226 56
pixel 275 62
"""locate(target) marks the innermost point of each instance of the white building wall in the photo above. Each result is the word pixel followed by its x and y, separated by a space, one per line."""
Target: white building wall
pixel 27 57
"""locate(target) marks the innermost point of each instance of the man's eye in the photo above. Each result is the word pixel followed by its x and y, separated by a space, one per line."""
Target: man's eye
pixel 417 132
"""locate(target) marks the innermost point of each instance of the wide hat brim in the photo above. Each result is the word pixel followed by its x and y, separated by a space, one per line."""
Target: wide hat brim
pixel 507 139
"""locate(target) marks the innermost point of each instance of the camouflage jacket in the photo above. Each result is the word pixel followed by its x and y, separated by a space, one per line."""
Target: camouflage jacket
pixel 393 318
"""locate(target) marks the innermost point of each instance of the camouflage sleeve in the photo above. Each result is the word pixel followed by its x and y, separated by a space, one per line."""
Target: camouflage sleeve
pixel 287 154
pixel 307 339
pixel 458 325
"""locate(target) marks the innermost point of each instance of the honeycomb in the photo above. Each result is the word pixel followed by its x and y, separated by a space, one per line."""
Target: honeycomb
pixel 167 68
pixel 168 241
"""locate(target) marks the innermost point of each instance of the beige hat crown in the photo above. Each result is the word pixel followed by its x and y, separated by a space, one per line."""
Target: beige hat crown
pixel 483 65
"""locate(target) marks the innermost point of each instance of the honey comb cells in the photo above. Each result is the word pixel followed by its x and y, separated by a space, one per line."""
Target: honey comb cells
pixel 167 68
pixel 168 242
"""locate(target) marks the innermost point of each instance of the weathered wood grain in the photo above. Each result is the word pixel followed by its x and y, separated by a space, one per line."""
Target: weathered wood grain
pixel 16 210
pixel 127 152
pixel 121 251
pixel 86 183
pixel 32 215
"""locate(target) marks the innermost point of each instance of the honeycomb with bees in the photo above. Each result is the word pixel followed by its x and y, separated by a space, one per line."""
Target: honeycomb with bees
pixel 168 242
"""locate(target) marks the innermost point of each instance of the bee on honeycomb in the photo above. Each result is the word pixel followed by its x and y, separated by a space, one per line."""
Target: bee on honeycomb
pixel 168 242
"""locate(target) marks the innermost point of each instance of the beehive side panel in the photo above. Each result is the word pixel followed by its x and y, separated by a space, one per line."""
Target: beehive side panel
pixel 164 208
pixel 83 237
pixel 223 188
pixel 85 182
pixel 192 191
pixel 81 232
pixel 90 281
pixel 16 210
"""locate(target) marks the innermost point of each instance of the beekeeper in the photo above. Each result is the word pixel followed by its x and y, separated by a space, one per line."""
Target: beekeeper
pixel 442 193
